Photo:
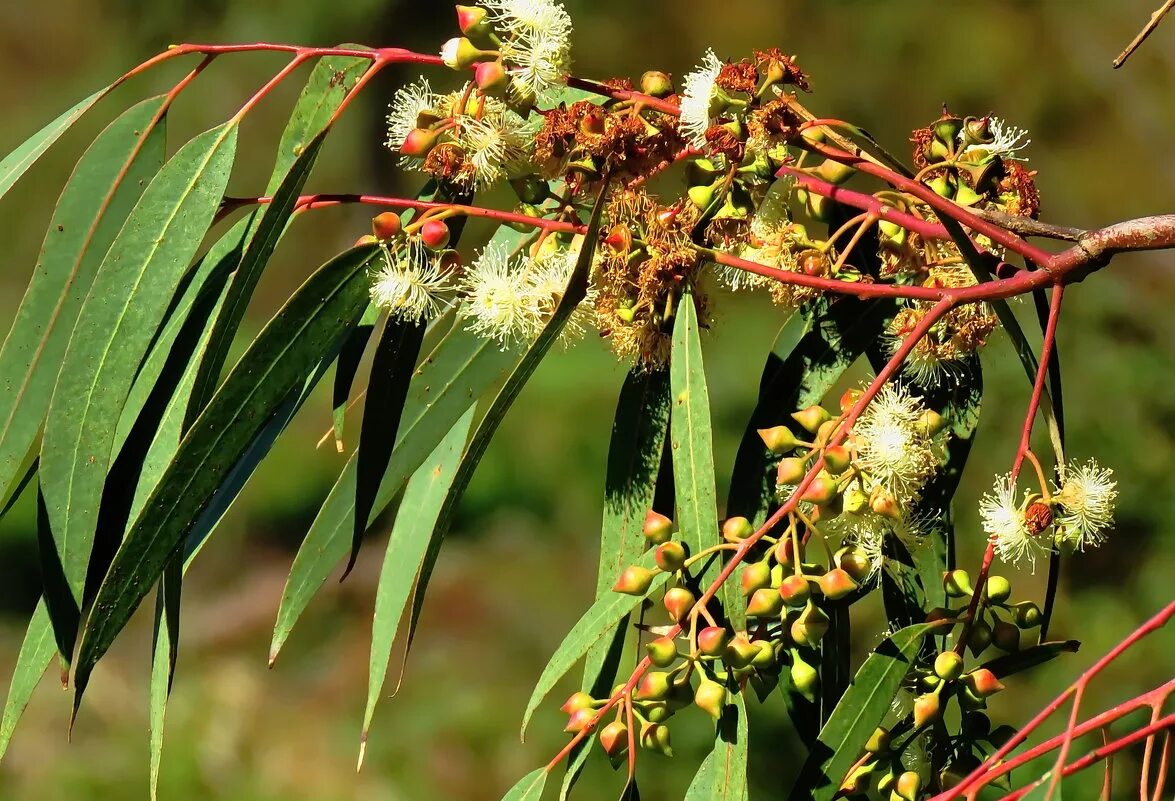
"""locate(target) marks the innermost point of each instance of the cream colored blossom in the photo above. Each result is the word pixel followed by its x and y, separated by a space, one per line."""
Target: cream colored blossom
pixel 893 448
pixel 1006 526
pixel 410 285
pixel 698 97
pixel 1085 501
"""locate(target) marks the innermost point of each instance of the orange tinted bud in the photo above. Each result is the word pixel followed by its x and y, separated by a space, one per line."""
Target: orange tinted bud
pixel 614 739
pixel 678 602
pixel 670 556
pixel 434 234
pixel 712 640
pixel 658 528
pixel 386 225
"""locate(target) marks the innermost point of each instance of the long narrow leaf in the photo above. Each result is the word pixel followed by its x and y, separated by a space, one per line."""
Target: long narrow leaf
pixel 723 773
pixel 16 163
pixel 36 653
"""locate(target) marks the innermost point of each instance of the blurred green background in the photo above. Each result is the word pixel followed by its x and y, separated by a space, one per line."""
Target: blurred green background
pixel 519 568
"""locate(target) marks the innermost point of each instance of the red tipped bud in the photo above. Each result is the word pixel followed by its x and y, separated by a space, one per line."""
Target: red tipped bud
pixel 790 471
pixel 948 666
pixel 472 20
pixel 737 529
pixel 491 78
pixel 837 458
pixel 765 603
pixel 419 142
pixel 927 709
pixel 434 234
pixel 710 698
pixel 785 552
pixel 678 602
pixel 658 527
pixel 579 720
pixel 577 701
pixel 712 640
pixel 812 418
pixel 795 590
pixel 653 686
pixel 662 651
pixel 983 682
pixel 614 739
pixel 365 240
pixel 670 556
pixel 619 239
pixel 849 397
pixel 836 584
pixel 635 580
pixel 755 576
pixel 823 490
pixel 778 439
pixel 385 226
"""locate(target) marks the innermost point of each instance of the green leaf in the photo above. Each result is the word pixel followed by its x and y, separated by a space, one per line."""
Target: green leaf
pixel 634 456
pixel 346 367
pixel 16 163
pixel 104 186
pixel 834 337
pixel 118 320
pixel 36 652
pixel 459 369
pixel 858 714
pixel 529 787
pixel 1010 664
pixel 691 443
pixel 292 344
pixel 723 773
pixel 417 515
pixel 573 295
pixel 596 624
pixel 387 392
pixel 163 658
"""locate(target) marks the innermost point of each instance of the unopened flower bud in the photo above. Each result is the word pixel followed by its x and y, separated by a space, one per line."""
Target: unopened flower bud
pixel 778 439
pixel 434 234
pixel 712 640
pixel 812 418
pixel 907 786
pixel 790 471
pixel 834 172
pixel 653 686
pixel 785 552
pixel 804 678
pixel 366 240
pixel 386 225
pixel 957 584
pixel 836 584
pixel 658 528
pixel 577 700
pixel 848 398
pixel 655 737
pixel 854 562
pixel 656 84
pixel 811 626
pixel 837 459
pixel 579 720
pixel 710 698
pixel 884 504
pixel 931 422
pixel 419 142
pixel 737 529
pixel 678 602
pixel 1006 636
pixel 983 682
pixel 662 651
pixel 472 21
pixel 755 576
pixel 765 603
pixel 739 652
pixel 854 501
pixel 997 590
pixel 491 78
pixel 878 742
pixel 979 638
pixel 461 54
pixel 670 556
pixel 635 580
pixel 1027 615
pixel 948 665
pixel 822 490
pixel 614 739
pixel 927 709
pixel 795 590
pixel 701 196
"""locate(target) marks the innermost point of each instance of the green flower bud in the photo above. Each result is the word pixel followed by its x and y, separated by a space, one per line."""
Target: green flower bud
pixel 579 720
pixel 740 652
pixel 997 590
pixel 655 737
pixel 755 577
pixel 662 651
pixel 907 786
pixel 461 54
pixel 854 501
pixel 635 580
pixel 804 678
pixel 1027 615
pixel 678 602
pixel 957 583
pixel 948 665
pixel 853 561
pixel 810 627
pixel 577 701
pixel 656 83
pixel 737 529
pixel 879 741
pixel 710 697
pixel 837 459
pixel 712 640
pixel 765 658
pixel 701 196
pixel 658 528
pixel 531 189
pixel 791 471
pixel 812 418
pixel 653 686
pixel 491 78
pixel 836 584
pixel 834 172
pixel 822 490
pixel 795 590
pixel 670 556
pixel 931 422
pixel 764 603
pixel 979 638
pixel 778 439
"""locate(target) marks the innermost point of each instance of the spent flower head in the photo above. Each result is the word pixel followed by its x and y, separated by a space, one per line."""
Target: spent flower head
pixel 1007 141
pixel 1006 525
pixel 1085 499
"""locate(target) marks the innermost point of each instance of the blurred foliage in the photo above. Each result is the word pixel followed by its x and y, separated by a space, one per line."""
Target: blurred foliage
pixel 1102 144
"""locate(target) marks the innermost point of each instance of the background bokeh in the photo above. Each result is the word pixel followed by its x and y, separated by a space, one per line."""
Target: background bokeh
pixel 519 568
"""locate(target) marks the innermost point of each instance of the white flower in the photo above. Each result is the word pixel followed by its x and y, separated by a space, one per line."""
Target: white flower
pixel 697 99
pixel 1005 524
pixel 869 532
pixel 494 144
pixel 1007 140
pixel 449 53
pixel 536 42
pixel 1086 499
pixel 410 284
pixel 549 273
pixel 500 301
pixel 893 448
pixel 408 103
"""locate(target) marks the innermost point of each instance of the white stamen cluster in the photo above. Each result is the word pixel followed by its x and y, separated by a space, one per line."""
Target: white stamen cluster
pixel 892 446
pixel 495 144
pixel 536 42
pixel 411 284
pixel 408 103
pixel 1007 140
pixel 869 533
pixel 1006 526
pixel 1085 501
pixel 697 99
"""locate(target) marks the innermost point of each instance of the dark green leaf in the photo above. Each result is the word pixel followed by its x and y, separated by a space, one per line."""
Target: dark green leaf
pixel 417 515
pixel 311 324
pixel 106 183
pixel 1010 664
pixel 858 714
pixel 634 456
pixel 723 773
pixel 16 163
pixel 117 322
pixel 346 366
pixel 387 391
